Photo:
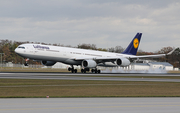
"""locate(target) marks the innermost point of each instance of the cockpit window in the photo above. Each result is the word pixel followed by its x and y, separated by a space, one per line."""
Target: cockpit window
pixel 21 47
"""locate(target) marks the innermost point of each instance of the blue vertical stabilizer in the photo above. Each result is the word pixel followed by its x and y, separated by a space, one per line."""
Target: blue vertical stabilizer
pixel 133 46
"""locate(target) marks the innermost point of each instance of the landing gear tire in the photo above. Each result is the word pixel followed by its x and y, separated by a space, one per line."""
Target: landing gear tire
pixel 26 64
pixel 72 70
pixel 83 70
pixel 95 70
pixel 69 69
pixel 99 71
pixel 75 71
pixel 92 70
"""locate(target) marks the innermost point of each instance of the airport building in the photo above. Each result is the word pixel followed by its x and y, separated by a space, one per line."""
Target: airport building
pixel 151 65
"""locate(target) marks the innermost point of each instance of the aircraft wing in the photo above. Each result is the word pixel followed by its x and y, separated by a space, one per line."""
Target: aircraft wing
pixel 153 56
pixel 106 59
pixel 148 56
pixel 96 58
pixel 122 57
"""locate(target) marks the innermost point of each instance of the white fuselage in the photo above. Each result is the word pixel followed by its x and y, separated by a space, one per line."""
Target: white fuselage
pixel 61 54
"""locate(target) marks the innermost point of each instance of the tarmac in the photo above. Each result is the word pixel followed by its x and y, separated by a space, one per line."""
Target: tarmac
pixel 90 105
pixel 104 77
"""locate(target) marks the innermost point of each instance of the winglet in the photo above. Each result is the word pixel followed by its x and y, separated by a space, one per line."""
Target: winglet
pixel 133 46
pixel 171 51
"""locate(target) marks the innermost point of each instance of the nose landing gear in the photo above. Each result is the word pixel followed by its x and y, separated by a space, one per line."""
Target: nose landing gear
pixel 26 63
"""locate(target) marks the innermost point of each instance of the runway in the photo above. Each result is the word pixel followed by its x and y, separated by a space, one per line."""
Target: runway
pixel 100 77
pixel 89 105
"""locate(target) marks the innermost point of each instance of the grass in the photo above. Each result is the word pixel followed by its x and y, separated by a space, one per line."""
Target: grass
pixel 23 88
pixel 82 88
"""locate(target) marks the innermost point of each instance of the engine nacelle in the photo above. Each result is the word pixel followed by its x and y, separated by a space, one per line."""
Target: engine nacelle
pixel 89 64
pixel 122 62
pixel 48 63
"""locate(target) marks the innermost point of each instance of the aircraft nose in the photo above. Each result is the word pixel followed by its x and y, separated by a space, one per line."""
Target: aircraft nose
pixel 16 50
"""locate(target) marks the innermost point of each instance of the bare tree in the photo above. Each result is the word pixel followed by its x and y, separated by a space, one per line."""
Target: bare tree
pixel 165 50
pixel 117 49
pixel 87 46
pixel 112 49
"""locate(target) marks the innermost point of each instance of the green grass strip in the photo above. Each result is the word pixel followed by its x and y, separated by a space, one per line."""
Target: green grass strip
pixel 85 88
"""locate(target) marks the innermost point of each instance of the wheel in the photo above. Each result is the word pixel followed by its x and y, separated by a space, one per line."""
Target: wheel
pixel 82 70
pixel 72 70
pixel 75 71
pixel 99 71
pixel 95 70
pixel 92 70
pixel 25 64
pixel 69 69
pixel 87 69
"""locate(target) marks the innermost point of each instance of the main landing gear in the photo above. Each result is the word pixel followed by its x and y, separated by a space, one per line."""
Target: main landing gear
pixel 72 69
pixel 26 63
pixel 84 70
pixel 95 71
pixel 92 70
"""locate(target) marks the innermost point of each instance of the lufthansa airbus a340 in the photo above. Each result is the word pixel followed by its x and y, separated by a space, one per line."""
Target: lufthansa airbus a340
pixel 87 59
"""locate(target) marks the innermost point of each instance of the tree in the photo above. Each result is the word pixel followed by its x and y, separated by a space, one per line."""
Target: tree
pixel 7 53
pixel 117 49
pixel 111 49
pixel 173 58
pixel 102 49
pixel 87 46
pixel 165 50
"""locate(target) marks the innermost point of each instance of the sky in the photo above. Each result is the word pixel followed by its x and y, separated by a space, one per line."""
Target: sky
pixel 106 23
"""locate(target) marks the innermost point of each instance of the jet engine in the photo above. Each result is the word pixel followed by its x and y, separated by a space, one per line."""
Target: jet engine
pixel 48 63
pixel 89 64
pixel 122 62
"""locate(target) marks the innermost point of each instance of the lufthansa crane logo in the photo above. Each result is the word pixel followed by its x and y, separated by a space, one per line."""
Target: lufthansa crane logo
pixel 136 43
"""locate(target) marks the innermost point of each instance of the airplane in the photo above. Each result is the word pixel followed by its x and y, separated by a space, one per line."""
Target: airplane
pixel 87 59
